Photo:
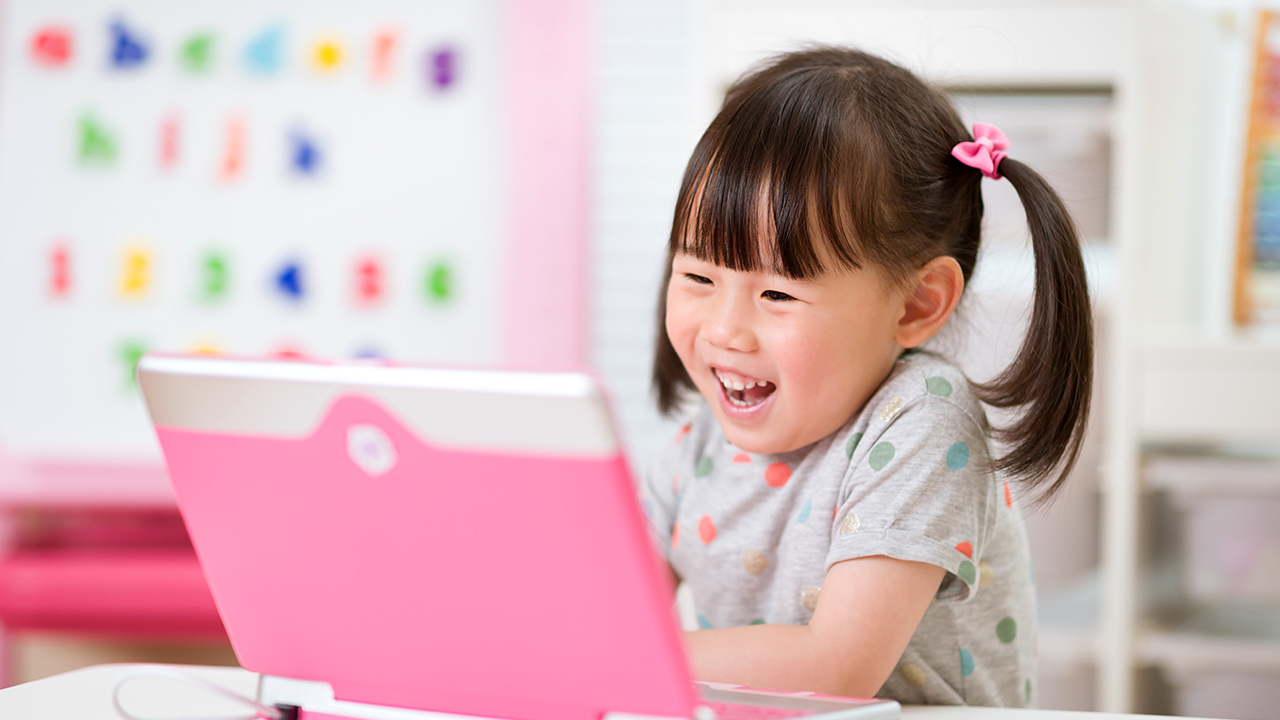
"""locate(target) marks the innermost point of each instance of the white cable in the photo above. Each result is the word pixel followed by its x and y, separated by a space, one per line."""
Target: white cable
pixel 261 711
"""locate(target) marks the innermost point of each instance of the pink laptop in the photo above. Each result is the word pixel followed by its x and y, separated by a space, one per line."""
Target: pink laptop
pixel 400 542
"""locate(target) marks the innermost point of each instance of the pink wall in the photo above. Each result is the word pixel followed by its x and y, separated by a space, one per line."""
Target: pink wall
pixel 549 62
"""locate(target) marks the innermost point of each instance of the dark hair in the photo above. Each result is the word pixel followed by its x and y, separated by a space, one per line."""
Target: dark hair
pixel 850 151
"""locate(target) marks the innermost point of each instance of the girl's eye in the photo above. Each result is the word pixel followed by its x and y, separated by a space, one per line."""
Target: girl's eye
pixel 701 280
pixel 775 296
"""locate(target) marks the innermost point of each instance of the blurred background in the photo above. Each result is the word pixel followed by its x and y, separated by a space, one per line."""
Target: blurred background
pixel 424 182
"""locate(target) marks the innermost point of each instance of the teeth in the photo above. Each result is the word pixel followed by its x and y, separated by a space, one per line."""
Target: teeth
pixel 740 385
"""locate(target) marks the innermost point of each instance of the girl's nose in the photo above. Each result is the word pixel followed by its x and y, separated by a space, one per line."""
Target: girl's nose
pixel 729 324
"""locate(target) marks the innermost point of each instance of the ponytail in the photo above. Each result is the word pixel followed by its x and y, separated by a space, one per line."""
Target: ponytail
pixel 1051 378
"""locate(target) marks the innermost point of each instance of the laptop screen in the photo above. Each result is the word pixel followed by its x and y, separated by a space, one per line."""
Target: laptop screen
pixel 456 541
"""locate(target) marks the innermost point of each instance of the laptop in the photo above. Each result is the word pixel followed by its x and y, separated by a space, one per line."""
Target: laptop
pixel 405 543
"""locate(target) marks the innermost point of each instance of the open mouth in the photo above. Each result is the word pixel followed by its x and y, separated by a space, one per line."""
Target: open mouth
pixel 742 391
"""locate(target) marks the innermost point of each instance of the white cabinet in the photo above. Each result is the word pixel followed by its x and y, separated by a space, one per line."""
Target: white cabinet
pixel 1192 395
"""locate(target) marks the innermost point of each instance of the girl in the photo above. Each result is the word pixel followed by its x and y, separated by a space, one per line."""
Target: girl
pixel 836 505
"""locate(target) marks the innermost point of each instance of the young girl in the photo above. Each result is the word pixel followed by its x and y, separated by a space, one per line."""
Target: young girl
pixel 836 505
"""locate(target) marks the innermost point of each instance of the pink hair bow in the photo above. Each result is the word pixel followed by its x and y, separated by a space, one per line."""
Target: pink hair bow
pixel 985 152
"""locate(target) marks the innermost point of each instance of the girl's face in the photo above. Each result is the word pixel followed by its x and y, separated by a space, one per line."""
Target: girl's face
pixel 783 362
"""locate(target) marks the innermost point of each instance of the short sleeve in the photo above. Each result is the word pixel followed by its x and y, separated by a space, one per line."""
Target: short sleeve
pixel 920 489
pixel 660 493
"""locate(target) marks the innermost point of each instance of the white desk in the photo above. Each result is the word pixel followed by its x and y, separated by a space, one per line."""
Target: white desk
pixel 86 695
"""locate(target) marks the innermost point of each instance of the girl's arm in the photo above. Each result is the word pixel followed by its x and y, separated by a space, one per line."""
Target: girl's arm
pixel 867 612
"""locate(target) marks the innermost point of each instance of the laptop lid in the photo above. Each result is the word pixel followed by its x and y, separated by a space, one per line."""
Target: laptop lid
pixel 451 540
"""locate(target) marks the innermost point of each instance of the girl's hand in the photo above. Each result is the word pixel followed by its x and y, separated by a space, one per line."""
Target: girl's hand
pixel 867 612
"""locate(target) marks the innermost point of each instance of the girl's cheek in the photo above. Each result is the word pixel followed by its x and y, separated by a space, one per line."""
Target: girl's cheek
pixel 679 341
pixel 679 320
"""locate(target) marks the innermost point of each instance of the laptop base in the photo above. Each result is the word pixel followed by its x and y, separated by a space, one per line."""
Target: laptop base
pixel 315 701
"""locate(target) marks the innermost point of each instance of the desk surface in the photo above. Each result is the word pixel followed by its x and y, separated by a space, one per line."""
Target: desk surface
pixel 86 695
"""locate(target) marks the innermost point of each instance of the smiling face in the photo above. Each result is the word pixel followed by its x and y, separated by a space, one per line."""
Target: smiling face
pixel 783 362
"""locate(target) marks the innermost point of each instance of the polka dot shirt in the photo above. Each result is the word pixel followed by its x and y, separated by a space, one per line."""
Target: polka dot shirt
pixel 908 477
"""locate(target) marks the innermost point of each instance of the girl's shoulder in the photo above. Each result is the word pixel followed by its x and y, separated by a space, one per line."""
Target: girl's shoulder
pixel 924 387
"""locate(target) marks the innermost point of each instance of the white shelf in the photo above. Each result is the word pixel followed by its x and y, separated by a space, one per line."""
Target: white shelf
pixel 1187 654
pixel 1204 389
pixel 1194 475
pixel 1183 378
pixel 1219 640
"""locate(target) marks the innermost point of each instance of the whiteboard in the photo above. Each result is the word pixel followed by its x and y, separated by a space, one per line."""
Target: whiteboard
pixel 327 179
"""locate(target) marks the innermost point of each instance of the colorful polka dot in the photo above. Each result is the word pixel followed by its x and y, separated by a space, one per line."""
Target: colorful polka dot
pixel 1007 630
pixel 966 663
pixel 809 597
pixel 754 561
pixel 682 432
pixel 880 455
pixel 985 574
pixel 939 386
pixel 912 674
pixel 850 524
pixel 704 622
pixel 706 529
pixel 777 474
pixel 966 549
pixel 891 408
pixel 852 445
pixel 675 534
pixel 957 456
pixel 1008 497
pixel 804 511
pixel 742 458
pixel 968 572
pixel 704 467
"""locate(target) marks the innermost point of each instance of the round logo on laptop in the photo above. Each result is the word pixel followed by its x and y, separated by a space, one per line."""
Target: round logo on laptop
pixel 370 449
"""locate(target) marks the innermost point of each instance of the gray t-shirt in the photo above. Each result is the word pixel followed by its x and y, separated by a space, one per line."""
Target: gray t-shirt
pixel 907 477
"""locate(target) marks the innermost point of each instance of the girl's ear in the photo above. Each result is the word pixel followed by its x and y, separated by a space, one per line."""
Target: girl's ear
pixel 928 306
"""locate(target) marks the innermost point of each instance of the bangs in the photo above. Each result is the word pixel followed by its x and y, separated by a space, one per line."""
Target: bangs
pixel 781 181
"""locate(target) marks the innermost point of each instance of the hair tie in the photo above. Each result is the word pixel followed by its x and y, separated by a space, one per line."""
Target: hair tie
pixel 985 152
